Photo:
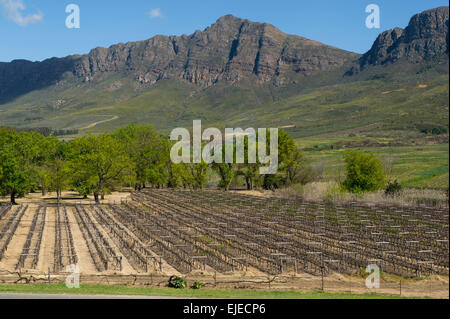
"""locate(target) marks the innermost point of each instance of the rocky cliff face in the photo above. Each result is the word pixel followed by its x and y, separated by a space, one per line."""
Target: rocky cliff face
pixel 425 37
pixel 229 50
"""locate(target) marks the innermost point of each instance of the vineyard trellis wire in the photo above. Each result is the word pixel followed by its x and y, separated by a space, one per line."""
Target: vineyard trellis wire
pixel 32 245
pixel 9 228
pixel 64 253
pixel 273 235
pixel 227 232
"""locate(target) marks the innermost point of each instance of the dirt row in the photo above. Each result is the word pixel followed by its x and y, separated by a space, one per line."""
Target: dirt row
pixel 47 247
pixel 436 287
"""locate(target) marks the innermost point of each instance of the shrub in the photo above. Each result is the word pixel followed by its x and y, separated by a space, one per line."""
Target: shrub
pixel 308 174
pixel 177 282
pixel 364 172
pixel 393 189
pixel 434 130
pixel 272 182
pixel 197 285
pixel 380 76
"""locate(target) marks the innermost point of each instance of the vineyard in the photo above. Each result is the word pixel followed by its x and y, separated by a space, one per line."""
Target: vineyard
pixel 179 231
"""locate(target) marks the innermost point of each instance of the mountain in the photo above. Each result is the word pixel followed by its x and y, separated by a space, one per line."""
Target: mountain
pixel 240 73
pixel 425 38
pixel 229 50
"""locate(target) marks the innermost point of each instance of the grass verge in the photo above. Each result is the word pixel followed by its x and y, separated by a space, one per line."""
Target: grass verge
pixel 185 293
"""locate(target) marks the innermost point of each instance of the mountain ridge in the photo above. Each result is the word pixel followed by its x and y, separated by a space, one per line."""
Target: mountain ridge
pixel 239 72
pixel 229 50
pixel 425 37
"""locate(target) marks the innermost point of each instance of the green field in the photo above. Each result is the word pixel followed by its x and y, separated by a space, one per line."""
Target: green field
pixel 185 293
pixel 414 166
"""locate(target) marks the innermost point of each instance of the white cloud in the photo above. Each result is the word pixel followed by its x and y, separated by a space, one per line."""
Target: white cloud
pixel 155 13
pixel 14 8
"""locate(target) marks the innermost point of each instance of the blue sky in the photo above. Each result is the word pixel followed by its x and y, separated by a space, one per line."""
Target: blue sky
pixel 35 29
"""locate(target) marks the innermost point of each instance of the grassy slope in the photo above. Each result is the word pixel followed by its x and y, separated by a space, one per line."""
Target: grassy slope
pixel 413 166
pixel 327 109
pixel 185 293
pixel 316 105
pixel 390 108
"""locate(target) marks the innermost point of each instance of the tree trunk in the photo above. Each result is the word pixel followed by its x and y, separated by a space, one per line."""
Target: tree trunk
pixel 13 198
pixel 103 196
pixel 96 198
pixel 99 189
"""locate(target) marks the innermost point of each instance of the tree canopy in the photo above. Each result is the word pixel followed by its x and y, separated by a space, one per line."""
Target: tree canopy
pixel 132 156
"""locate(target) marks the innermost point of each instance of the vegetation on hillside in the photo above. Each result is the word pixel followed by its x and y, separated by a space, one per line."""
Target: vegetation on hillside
pixel 364 172
pixel 138 157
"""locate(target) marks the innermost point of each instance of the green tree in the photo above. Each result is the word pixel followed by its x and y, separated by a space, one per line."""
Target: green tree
pixel 51 169
pixel 364 172
pixel 225 170
pixel 173 171
pixel 292 164
pixel 272 182
pixel 58 166
pixel 149 153
pixel 18 152
pixel 226 174
pixel 194 175
pixel 100 163
pixel 249 170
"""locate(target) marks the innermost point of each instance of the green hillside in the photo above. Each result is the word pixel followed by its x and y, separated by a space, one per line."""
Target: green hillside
pixel 390 115
pixel 394 103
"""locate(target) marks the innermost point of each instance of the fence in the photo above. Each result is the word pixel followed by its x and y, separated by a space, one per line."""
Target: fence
pixel 434 287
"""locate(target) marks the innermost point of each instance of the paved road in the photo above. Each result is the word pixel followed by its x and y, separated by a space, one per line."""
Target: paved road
pixel 51 296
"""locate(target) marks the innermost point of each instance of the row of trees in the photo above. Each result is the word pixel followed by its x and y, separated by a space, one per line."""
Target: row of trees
pixel 134 156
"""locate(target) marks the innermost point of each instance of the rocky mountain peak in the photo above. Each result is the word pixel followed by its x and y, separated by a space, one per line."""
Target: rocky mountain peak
pixel 228 20
pixel 428 24
pixel 425 37
pixel 229 50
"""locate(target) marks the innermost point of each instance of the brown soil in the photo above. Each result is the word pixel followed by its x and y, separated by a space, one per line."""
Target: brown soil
pixel 435 287
pixel 85 262
pixel 68 198
pixel 46 256
pixel 166 268
pixel 15 247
